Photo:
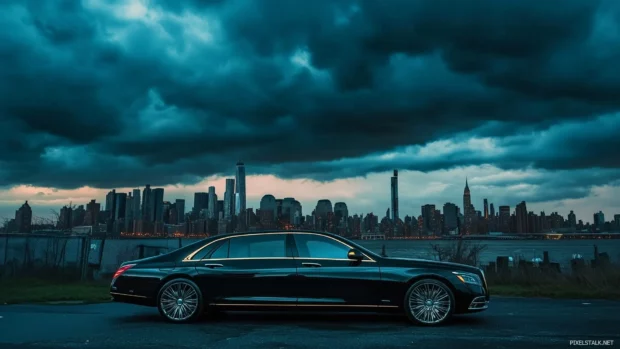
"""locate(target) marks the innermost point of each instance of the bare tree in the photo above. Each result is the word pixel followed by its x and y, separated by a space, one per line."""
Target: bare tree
pixel 459 251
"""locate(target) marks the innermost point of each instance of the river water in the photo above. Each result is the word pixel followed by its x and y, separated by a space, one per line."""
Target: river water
pixel 560 251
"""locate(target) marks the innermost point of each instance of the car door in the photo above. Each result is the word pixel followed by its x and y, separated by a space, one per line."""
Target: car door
pixel 326 277
pixel 253 269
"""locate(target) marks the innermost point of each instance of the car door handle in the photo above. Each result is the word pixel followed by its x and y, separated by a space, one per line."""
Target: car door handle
pixel 213 266
pixel 311 265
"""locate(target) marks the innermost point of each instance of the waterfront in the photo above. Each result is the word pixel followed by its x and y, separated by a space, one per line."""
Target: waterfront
pixel 560 251
pixel 107 254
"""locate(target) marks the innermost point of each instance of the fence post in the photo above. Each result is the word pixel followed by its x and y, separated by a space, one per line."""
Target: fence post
pixel 85 256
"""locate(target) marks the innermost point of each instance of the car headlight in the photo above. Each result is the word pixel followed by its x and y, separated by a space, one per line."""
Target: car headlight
pixel 468 278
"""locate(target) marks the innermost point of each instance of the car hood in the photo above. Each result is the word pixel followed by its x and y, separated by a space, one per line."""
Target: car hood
pixel 433 264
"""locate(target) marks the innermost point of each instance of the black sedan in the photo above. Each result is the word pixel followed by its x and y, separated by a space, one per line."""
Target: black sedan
pixel 297 270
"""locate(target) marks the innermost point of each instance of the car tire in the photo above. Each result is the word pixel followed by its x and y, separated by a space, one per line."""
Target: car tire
pixel 429 302
pixel 180 301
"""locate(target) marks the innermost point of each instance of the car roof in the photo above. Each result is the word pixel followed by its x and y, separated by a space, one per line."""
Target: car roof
pixel 256 232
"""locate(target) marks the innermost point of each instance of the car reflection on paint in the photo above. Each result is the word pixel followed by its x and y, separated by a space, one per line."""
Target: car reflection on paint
pixel 297 270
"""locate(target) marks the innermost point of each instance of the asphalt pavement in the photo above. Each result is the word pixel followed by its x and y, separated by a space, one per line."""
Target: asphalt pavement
pixel 508 323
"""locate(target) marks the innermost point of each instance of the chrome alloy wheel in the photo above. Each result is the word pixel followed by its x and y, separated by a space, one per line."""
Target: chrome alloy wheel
pixel 429 303
pixel 179 301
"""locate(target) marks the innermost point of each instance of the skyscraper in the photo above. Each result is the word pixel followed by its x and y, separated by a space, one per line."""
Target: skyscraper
pixel 395 196
pixel 158 204
pixel 288 210
pixel 341 212
pixel 237 202
pixel 23 218
pixel 180 207
pixel 450 216
pixel 268 202
pixel 504 219
pixel 469 213
pixel 240 187
pixel 129 212
pixel 429 225
pixel 119 205
pixel 572 220
pixel 110 201
pixel 229 198
pixel 323 207
pixel 486 209
pixel 521 217
pixel 201 201
pixel 92 213
pixel 147 204
pixel 492 214
pixel 599 220
pixel 212 203
pixel 135 200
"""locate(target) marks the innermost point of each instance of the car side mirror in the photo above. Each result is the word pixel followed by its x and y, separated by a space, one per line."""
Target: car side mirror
pixel 355 255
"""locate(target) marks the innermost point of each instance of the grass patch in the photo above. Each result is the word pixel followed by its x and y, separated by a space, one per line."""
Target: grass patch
pixel 554 291
pixel 37 291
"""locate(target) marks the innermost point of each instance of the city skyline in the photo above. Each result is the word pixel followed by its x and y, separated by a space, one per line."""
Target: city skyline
pixel 320 99
pixel 219 185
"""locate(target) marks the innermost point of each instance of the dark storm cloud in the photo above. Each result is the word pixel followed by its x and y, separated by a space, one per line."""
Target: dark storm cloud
pixel 89 96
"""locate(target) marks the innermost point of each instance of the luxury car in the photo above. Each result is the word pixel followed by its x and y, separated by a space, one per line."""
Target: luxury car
pixel 299 270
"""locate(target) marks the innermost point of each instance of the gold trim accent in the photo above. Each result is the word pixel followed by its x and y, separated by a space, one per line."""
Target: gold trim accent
pixel 190 256
pixel 303 305
pixel 334 259
pixel 129 295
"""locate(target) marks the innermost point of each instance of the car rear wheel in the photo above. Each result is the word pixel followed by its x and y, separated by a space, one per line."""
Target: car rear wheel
pixel 429 302
pixel 180 301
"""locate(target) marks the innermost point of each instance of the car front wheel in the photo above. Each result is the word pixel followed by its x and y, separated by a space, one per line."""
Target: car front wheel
pixel 429 302
pixel 180 301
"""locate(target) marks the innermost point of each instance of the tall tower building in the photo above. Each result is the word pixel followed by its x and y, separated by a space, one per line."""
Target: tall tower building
pixel 341 212
pixel 429 223
pixel 158 204
pixel 521 217
pixel 240 187
pixel 237 203
pixel 110 203
pixel 486 209
pixel 504 219
pixel 179 204
pixel 395 196
pixel 599 220
pixel 23 218
pixel 147 204
pixel 119 205
pixel 268 203
pixel 450 216
pixel 212 203
pixel 468 210
pixel 129 212
pixel 229 198
pixel 492 213
pixel 572 220
pixel 201 201
pixel 135 201
pixel 288 210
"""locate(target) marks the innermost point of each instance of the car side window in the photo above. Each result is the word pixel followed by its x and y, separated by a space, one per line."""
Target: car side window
pixel 204 252
pixel 317 246
pixel 258 246
pixel 221 251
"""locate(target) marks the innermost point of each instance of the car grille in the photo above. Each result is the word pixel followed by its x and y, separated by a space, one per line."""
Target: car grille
pixel 479 303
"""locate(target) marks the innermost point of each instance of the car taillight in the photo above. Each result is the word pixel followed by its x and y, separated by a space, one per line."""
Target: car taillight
pixel 121 270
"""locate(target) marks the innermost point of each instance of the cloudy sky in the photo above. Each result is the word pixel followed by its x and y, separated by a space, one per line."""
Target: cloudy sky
pixel 321 99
